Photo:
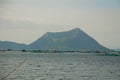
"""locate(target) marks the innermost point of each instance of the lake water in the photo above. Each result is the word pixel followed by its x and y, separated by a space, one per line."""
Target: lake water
pixel 58 66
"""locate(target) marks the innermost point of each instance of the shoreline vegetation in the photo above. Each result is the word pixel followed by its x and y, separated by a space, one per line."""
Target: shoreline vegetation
pixel 99 53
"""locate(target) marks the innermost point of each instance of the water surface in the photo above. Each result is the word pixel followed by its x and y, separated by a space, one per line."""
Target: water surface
pixel 59 66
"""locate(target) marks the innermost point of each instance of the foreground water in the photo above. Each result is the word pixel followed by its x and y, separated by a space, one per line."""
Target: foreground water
pixel 58 66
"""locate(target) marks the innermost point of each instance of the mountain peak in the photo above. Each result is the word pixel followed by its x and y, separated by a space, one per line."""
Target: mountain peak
pixel 76 29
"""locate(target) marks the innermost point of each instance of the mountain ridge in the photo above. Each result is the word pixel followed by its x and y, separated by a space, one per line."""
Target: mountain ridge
pixel 74 39
pixel 12 45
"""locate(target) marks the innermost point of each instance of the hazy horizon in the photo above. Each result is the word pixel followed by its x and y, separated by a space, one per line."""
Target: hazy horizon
pixel 24 21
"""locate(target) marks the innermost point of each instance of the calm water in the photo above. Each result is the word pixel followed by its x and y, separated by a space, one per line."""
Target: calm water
pixel 58 66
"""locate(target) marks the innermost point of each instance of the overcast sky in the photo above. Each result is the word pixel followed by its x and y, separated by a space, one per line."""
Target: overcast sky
pixel 24 21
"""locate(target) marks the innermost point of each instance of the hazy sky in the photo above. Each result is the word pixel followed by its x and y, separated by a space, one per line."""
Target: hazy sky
pixel 24 21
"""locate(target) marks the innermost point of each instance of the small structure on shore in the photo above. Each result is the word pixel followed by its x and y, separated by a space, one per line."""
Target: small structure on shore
pixel 24 50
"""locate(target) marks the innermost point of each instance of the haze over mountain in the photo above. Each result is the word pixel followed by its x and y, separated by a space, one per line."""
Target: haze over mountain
pixel 74 39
